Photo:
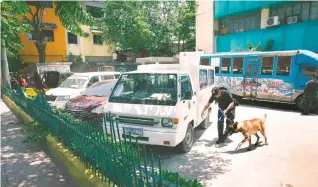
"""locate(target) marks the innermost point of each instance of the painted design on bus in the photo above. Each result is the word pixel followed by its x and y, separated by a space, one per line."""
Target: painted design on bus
pixel 275 87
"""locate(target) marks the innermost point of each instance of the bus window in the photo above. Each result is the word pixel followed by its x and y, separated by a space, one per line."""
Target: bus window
pixel 283 65
pixel 238 65
pixel 267 66
pixel 205 61
pixel 217 69
pixel 203 79
pixel 226 65
pixel 210 77
pixel 309 71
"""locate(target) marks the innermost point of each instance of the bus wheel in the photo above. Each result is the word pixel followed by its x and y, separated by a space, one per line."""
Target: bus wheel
pixel 300 102
pixel 206 122
pixel 186 145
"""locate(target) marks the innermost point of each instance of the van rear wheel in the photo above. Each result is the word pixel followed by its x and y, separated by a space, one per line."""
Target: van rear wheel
pixel 186 145
pixel 300 101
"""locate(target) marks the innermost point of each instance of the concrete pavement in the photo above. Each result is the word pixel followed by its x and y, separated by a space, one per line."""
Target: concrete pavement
pixel 290 159
pixel 25 164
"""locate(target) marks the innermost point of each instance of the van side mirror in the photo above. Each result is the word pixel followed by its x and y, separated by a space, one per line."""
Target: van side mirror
pixel 187 95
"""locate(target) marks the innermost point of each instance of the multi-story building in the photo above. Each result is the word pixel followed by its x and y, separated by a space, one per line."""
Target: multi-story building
pixel 91 48
pixel 61 43
pixel 225 26
pixel 54 31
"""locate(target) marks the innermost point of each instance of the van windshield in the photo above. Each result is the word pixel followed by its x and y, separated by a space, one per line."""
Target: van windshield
pixel 74 82
pixel 146 88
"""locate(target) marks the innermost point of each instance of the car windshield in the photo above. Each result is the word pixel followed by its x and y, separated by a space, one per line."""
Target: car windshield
pixel 74 82
pixel 100 89
pixel 146 88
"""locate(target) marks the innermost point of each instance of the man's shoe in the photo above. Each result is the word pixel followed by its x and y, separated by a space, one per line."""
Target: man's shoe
pixel 219 141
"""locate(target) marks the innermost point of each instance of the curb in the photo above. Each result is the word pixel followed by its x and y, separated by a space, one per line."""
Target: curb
pixel 81 174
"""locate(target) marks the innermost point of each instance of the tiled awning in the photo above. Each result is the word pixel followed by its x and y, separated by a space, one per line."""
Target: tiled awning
pixel 96 31
pixel 48 25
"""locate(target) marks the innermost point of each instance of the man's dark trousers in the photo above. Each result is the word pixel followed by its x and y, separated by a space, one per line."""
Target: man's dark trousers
pixel 311 102
pixel 230 115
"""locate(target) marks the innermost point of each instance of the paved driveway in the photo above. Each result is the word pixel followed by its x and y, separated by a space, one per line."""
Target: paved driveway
pixel 290 159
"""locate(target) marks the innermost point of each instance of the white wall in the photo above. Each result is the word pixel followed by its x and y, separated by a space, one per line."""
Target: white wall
pixel 205 39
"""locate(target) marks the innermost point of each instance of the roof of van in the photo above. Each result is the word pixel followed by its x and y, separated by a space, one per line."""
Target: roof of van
pixel 95 73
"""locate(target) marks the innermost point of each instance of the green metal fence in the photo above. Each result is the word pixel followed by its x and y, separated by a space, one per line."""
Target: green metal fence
pixel 118 161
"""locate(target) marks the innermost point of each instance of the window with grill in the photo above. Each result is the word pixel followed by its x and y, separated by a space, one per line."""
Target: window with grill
pixel 267 66
pixel 226 65
pixel 305 11
pixel 72 38
pixel 238 65
pixel 241 23
pixel 283 65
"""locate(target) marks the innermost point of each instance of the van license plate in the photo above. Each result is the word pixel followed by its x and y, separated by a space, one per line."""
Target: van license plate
pixel 134 131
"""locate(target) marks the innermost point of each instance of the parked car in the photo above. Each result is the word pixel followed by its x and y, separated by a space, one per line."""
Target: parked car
pixel 74 86
pixel 96 95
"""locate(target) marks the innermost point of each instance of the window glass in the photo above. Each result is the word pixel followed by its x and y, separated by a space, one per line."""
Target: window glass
pixel 296 9
pixel 204 61
pixel 185 85
pixel 97 39
pixel 226 65
pixel 96 12
pixel 210 77
pixel 308 71
pixel 117 76
pixel 217 69
pixel 304 15
pixel 92 81
pixel 72 38
pixel 283 65
pixel 267 66
pixel 107 77
pixel 314 10
pixel 241 23
pixel 238 65
pixel 103 89
pixel 203 79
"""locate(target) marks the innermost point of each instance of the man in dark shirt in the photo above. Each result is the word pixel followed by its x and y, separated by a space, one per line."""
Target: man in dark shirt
pixel 226 108
pixel 311 96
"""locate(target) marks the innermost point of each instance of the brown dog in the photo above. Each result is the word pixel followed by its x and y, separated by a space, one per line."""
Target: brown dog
pixel 249 128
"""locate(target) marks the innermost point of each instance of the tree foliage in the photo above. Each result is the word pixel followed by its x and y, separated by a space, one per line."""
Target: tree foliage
pixel 148 26
pixel 12 26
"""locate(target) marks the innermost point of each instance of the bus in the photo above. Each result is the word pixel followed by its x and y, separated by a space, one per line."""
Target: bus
pixel 275 76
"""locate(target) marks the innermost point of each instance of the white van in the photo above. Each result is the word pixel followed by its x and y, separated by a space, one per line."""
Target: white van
pixel 161 104
pixel 75 85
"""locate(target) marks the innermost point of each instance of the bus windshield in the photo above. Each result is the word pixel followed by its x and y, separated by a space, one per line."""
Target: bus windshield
pixel 146 88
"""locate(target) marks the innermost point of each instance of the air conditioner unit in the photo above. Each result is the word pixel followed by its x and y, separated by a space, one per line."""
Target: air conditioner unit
pixel 272 21
pixel 292 19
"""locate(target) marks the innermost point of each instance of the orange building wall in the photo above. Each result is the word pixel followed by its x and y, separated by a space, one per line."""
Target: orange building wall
pixel 56 50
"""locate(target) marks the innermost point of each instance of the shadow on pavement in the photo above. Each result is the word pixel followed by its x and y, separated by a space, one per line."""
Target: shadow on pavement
pixel 25 164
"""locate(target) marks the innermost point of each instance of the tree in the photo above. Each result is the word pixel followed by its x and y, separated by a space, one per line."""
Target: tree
pixel 71 13
pixel 185 25
pixel 11 27
pixel 142 26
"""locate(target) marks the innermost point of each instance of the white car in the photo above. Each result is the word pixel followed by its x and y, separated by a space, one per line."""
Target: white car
pixel 74 85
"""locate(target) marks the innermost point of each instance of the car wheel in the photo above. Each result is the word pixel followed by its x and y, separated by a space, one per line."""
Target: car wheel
pixel 186 145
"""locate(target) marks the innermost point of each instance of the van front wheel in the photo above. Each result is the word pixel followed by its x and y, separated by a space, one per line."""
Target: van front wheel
pixel 300 101
pixel 186 145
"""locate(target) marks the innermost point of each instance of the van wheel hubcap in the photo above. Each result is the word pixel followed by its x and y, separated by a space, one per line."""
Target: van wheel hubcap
pixel 188 138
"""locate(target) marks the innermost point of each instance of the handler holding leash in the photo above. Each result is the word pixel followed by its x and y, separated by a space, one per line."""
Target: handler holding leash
pixel 226 108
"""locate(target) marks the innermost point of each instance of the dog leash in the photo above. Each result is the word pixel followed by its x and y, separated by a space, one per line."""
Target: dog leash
pixel 225 116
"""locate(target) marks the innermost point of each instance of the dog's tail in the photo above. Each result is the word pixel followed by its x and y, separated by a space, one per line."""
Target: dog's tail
pixel 264 118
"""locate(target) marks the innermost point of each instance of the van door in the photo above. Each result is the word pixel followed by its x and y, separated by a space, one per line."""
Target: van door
pixel 250 76
pixel 188 99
